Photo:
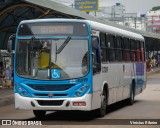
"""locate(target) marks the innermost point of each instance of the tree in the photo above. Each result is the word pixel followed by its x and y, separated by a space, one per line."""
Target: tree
pixel 155 8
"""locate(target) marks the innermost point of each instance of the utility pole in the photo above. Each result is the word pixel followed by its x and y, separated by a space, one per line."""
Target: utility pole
pixel 152 23
pixel 72 5
pixel 135 22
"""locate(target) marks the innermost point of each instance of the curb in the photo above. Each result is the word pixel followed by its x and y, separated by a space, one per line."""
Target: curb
pixel 7 100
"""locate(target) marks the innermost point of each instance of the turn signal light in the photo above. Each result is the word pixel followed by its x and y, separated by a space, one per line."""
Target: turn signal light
pixel 79 103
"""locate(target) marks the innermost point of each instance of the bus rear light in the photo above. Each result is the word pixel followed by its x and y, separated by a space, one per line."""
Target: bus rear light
pixel 79 103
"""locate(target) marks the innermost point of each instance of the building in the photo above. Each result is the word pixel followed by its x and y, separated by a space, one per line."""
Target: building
pixel 153 21
pixel 113 13
pixel 117 14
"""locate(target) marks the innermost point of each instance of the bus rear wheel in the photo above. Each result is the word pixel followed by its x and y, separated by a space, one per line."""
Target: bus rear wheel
pixel 130 100
pixel 101 112
pixel 39 113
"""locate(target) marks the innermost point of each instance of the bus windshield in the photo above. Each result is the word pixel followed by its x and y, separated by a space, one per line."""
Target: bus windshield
pixel 46 59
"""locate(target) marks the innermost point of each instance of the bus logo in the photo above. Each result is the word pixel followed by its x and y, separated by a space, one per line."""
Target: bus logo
pixel 50 94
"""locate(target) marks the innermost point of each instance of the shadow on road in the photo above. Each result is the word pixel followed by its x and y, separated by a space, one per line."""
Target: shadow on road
pixel 76 117
pixel 118 106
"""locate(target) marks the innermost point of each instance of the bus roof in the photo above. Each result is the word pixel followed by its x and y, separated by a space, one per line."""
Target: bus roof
pixel 115 31
pixel 53 20
pixel 94 25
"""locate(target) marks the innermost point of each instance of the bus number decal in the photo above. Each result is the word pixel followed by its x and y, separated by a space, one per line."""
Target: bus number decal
pixel 82 80
pixel 104 69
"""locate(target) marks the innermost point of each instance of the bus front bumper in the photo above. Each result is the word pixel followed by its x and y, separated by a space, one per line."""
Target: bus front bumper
pixel 79 103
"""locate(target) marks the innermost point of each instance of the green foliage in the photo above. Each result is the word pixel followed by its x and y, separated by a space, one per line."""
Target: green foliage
pixel 155 8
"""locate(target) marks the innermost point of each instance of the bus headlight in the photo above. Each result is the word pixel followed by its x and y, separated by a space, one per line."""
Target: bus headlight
pixel 81 91
pixel 22 91
pixel 19 89
pixel 77 93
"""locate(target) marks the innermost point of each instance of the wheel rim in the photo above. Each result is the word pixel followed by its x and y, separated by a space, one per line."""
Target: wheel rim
pixel 103 105
pixel 132 96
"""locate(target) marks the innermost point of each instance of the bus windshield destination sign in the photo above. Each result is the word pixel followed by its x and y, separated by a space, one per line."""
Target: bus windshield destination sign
pixel 72 29
pixel 52 29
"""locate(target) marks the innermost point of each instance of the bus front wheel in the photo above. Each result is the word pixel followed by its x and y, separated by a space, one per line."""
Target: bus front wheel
pixel 101 112
pixel 39 113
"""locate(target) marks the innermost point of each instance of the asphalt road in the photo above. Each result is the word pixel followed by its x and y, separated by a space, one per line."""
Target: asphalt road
pixel 146 106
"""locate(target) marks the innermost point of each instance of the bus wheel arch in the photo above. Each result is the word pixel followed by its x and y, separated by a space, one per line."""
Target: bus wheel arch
pixel 105 87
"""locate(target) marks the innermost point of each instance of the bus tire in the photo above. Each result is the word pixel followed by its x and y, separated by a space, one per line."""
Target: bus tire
pixel 39 113
pixel 101 112
pixel 132 95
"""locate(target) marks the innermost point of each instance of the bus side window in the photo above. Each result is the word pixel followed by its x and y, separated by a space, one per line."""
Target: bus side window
pixel 111 47
pixel 96 55
pixel 126 50
pixel 133 50
pixel 142 51
pixel 138 51
pixel 118 49
pixel 104 46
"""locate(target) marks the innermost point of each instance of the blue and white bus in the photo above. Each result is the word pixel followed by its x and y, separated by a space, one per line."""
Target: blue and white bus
pixel 68 64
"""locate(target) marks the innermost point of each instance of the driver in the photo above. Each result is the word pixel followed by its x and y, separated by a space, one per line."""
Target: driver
pixel 43 60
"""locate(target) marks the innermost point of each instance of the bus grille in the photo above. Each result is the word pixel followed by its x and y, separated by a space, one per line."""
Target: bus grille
pixel 50 102
pixel 51 87
pixel 48 96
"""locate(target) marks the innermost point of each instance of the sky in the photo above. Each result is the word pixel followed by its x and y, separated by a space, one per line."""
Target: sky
pixel 132 6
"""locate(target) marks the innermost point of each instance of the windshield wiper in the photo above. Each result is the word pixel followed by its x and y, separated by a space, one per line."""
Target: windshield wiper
pixel 63 45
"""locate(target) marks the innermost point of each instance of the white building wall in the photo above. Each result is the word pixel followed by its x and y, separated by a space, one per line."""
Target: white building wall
pixel 153 21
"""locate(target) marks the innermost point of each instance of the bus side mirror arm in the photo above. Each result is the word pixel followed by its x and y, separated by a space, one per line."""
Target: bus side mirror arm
pixel 9 46
pixel 10 43
pixel 93 59
pixel 94 64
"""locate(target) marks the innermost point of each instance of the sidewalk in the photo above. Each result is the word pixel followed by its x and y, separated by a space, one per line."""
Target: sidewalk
pixel 7 94
pixel 153 70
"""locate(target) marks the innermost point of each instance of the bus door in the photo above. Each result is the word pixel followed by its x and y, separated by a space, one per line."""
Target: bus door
pixel 96 58
pixel 96 69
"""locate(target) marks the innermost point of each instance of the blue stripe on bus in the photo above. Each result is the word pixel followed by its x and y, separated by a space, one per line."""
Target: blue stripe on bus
pixel 139 69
